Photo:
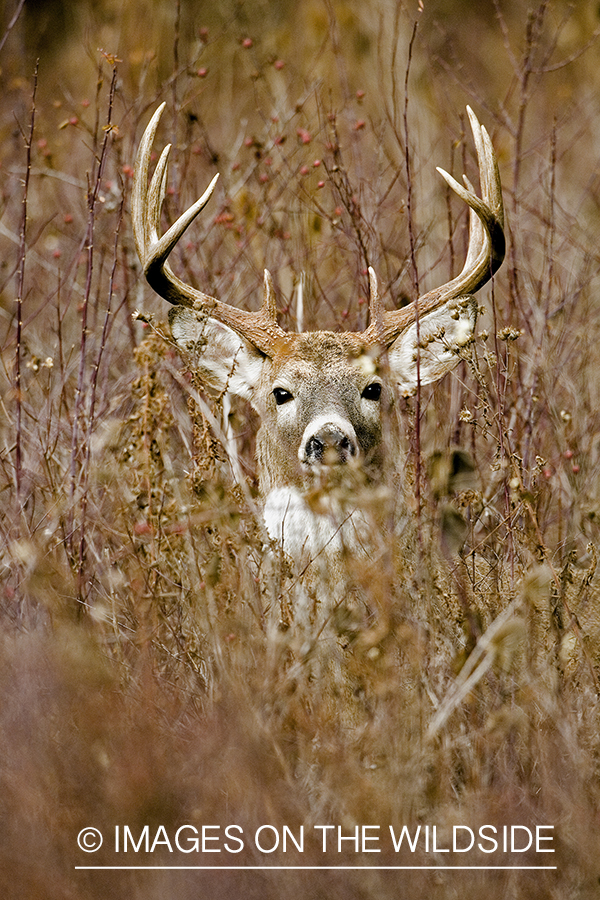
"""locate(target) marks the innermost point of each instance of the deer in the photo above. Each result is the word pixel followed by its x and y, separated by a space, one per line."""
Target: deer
pixel 319 395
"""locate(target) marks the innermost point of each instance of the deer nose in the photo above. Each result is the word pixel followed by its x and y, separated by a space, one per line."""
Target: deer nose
pixel 329 445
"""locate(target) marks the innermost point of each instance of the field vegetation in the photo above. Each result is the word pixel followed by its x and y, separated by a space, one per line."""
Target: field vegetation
pixel 153 670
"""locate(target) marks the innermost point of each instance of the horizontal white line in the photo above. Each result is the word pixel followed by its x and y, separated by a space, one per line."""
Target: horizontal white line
pixel 312 868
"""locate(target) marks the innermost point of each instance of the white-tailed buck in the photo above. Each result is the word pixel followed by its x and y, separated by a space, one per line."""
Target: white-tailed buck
pixel 318 394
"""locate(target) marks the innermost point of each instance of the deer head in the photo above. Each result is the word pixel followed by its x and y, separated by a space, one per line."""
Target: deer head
pixel 318 394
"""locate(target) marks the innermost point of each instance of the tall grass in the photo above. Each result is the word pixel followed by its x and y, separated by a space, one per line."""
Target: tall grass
pixel 153 668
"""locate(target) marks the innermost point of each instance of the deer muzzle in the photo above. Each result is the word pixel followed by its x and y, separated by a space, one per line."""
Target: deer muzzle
pixel 328 442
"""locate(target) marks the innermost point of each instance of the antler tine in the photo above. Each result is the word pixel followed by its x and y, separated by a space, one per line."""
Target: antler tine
pixel 156 194
pixel 140 186
pixel 376 311
pixel 486 239
pixel 488 236
pixel 476 233
pixel 259 328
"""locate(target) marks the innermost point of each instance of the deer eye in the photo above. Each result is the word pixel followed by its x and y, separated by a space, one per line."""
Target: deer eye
pixel 372 391
pixel 282 396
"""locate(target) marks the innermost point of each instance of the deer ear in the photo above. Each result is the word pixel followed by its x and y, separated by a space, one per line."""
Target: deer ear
pixel 442 333
pixel 224 360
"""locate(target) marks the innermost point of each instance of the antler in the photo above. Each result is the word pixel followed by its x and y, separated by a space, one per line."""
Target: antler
pixel 261 327
pixel 484 256
pixel 485 253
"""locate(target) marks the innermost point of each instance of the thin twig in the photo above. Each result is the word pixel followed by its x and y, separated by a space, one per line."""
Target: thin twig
pixel 20 292
pixel 93 194
pixel 12 23
pixel 92 409
pixel 415 277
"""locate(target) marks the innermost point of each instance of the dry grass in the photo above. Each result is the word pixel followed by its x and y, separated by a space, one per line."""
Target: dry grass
pixel 152 668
